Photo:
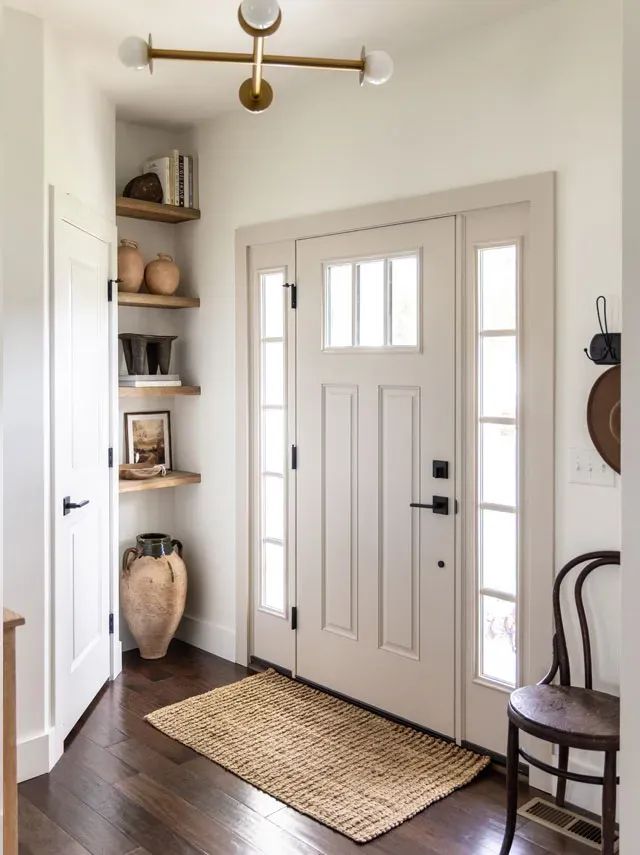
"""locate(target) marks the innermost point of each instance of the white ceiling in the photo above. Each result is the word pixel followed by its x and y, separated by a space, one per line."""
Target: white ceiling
pixel 181 92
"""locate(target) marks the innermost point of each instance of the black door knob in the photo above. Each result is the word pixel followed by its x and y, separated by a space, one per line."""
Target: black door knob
pixel 68 505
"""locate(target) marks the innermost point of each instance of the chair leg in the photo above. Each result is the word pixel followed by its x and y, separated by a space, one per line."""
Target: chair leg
pixel 563 765
pixel 609 803
pixel 512 788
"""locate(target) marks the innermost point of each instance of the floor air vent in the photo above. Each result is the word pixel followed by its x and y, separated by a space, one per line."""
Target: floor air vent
pixel 564 821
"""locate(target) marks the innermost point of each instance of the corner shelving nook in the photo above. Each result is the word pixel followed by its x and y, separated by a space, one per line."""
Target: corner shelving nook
pixel 169 214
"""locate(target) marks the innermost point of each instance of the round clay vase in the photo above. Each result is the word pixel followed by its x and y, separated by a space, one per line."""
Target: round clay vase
pixel 153 590
pixel 130 267
pixel 162 275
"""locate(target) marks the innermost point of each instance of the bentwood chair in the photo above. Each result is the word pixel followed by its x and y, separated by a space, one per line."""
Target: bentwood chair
pixel 566 715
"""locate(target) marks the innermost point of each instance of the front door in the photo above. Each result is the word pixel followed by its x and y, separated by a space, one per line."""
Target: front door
pixel 81 475
pixel 375 393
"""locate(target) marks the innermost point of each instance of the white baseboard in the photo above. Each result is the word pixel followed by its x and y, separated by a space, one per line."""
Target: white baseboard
pixel 37 755
pixel 208 636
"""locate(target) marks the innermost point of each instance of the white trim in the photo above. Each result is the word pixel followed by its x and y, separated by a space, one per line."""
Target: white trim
pixel 219 640
pixel 536 190
pixel 38 754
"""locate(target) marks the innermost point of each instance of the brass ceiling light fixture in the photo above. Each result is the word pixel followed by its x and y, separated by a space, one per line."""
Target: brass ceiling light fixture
pixel 259 19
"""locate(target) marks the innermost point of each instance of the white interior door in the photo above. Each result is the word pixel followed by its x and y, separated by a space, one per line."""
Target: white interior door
pixel 81 406
pixel 375 411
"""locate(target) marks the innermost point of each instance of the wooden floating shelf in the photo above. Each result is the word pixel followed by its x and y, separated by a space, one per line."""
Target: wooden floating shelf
pixel 157 391
pixel 171 479
pixel 159 213
pixel 156 301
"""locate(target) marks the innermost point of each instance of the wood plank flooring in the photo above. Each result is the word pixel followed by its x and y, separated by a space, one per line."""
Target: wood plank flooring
pixel 123 788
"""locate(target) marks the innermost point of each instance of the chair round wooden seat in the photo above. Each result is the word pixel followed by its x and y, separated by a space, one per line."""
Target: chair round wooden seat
pixel 568 715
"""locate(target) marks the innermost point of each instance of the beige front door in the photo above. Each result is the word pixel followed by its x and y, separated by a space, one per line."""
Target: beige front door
pixel 375 393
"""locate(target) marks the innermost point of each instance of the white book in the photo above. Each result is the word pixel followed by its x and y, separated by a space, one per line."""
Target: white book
pixel 187 195
pixel 175 166
pixel 149 384
pixel 156 377
pixel 161 167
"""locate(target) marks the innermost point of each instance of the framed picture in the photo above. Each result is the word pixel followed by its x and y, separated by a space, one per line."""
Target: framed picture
pixel 148 438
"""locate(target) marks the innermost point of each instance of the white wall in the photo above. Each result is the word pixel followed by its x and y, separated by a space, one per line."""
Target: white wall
pixel 535 92
pixel 60 132
pixel 630 771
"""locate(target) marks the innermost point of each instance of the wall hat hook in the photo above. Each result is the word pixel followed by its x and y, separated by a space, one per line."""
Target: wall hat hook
pixel 605 346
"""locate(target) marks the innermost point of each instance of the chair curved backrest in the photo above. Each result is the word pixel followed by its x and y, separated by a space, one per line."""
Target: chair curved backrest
pixel 560 651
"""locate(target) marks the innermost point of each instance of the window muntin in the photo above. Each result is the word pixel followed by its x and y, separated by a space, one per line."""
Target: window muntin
pixel 372 303
pixel 497 462
pixel 272 471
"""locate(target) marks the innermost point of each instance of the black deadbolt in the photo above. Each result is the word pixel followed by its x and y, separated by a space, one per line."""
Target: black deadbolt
pixel 440 468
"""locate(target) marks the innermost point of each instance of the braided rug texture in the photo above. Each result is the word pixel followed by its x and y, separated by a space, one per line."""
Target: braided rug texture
pixel 350 769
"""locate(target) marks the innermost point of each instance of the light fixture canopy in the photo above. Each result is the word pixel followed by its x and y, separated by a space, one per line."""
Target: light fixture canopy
pixel 259 18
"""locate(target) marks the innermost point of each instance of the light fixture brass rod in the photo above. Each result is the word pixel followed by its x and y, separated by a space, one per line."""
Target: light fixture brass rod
pixel 267 59
pixel 256 78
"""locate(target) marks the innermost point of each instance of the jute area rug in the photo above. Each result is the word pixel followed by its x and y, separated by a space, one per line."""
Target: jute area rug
pixel 352 770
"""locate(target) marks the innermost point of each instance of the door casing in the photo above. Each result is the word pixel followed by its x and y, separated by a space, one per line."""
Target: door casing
pixel 538 191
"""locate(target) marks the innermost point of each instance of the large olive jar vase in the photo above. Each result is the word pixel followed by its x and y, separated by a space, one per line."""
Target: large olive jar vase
pixel 130 267
pixel 153 590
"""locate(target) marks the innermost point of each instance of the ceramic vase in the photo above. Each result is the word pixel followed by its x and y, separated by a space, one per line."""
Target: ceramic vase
pixel 162 275
pixel 130 267
pixel 153 590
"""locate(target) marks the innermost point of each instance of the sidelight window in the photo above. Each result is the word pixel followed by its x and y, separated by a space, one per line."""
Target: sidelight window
pixel 497 337
pixel 372 303
pixel 272 451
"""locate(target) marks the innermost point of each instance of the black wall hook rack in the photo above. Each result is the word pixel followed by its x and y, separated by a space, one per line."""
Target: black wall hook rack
pixel 605 347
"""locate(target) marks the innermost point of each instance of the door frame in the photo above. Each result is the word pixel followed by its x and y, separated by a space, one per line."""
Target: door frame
pixel 65 208
pixel 538 191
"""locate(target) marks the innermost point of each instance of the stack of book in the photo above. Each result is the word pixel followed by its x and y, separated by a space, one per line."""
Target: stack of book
pixel 176 172
pixel 141 381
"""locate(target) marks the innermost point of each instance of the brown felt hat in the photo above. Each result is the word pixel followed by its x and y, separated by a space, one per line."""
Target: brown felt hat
pixel 603 416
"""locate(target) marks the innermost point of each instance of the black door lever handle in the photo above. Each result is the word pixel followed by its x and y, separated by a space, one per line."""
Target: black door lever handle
pixel 440 505
pixel 68 505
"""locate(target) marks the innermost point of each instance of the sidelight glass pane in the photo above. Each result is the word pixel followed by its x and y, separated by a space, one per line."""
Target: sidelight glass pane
pixel 498 464
pixel 498 640
pixel 498 380
pixel 273 441
pixel 404 301
pixel 497 278
pixel 273 373
pixel 498 551
pixel 273 499
pixel 339 308
pixel 273 577
pixel 371 305
pixel 273 304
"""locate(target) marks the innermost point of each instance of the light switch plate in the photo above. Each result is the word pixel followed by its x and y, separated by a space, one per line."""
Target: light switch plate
pixel 587 467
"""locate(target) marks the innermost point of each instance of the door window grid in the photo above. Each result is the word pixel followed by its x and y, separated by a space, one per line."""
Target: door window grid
pixel 372 303
pixel 272 451
pixel 497 466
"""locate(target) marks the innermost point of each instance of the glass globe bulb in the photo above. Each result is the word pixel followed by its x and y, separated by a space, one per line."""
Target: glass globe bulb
pixel 260 14
pixel 134 53
pixel 378 67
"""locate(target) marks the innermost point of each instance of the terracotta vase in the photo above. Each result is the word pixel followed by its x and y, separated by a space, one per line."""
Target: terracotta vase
pixel 153 590
pixel 130 267
pixel 162 275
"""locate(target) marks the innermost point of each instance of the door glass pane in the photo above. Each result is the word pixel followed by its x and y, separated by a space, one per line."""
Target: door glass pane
pixel 498 464
pixel 339 309
pixel 498 640
pixel 273 440
pixel 371 307
pixel 404 301
pixel 498 550
pixel 273 376
pixel 273 577
pixel 273 304
pixel 497 276
pixel 498 382
pixel 273 497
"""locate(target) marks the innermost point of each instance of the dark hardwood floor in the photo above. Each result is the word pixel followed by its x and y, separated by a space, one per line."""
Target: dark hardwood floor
pixel 123 787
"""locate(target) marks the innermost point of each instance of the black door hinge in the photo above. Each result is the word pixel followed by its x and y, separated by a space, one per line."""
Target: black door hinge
pixel 110 284
pixel 110 457
pixel 294 294
pixel 294 456
pixel 111 624
pixel 294 617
